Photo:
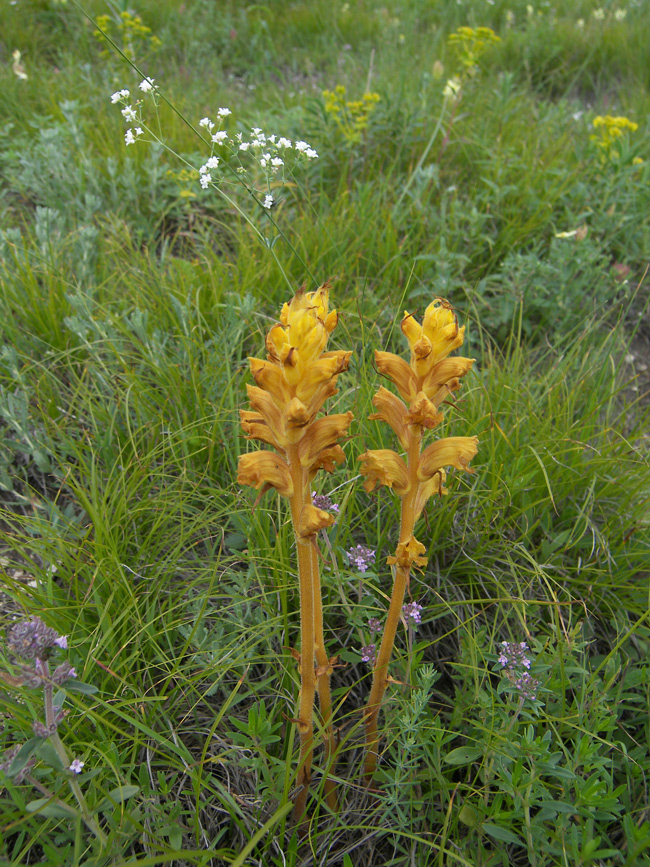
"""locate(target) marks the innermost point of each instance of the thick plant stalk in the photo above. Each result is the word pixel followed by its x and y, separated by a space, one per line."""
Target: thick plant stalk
pixel 291 387
pixel 400 583
pixel 423 385
pixel 324 668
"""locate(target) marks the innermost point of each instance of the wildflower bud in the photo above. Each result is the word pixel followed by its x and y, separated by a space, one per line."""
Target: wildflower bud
pixel 43 731
pixel 32 639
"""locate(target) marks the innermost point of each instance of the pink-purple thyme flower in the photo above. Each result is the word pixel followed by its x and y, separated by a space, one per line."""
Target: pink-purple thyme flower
pixel 412 613
pixel 369 653
pixel 361 556
pixel 324 501
pixel 516 665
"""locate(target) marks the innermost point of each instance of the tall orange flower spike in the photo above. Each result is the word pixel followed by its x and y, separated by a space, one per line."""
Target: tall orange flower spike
pixel 423 385
pixel 291 387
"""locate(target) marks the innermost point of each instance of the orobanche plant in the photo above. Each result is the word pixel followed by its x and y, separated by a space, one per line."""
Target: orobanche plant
pixel 291 388
pixel 424 385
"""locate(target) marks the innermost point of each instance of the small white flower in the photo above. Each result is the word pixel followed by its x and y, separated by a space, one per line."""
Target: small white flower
pixel 620 14
pixel 244 146
pixel 284 142
pixel 76 766
pixel 129 138
pixel 452 88
pixel 263 162
pixel 205 179
pixel 271 139
pixel 599 14
pixel 220 137
pixel 204 170
pixel 223 112
pixel 256 131
pixel 276 161
pixel 139 131
pixel 129 113
pixel 311 154
pixel 268 202
pixel 116 97
pixel 205 121
pixel 301 146
pixel 146 86
pixel 213 162
pixel 580 23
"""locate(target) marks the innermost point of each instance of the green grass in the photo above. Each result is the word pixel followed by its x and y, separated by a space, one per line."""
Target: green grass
pixel 127 313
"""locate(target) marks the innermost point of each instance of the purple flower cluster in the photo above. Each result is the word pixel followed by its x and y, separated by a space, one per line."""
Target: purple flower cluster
pixel 361 556
pixel 35 642
pixel 374 625
pixel 513 654
pixel 412 613
pixel 516 665
pixel 324 501
pixel 32 639
pixel 369 653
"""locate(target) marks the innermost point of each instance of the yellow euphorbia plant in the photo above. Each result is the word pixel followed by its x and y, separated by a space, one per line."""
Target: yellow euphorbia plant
pixel 292 385
pixel 423 386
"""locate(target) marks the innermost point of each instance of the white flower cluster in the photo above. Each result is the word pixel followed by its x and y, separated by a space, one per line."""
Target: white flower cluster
pixel 269 152
pixel 130 113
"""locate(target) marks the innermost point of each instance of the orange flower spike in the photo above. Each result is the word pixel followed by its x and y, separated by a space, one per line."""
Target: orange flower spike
pixel 292 385
pixel 423 384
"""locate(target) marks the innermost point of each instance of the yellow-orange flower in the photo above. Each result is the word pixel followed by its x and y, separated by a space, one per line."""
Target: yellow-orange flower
pixel 384 467
pixel 259 469
pixel 391 410
pixel 408 553
pixel 449 452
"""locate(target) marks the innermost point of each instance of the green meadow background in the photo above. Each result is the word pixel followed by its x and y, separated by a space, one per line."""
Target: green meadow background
pixel 130 300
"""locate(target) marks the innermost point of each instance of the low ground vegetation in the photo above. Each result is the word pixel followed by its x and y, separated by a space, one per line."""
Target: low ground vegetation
pixel 505 170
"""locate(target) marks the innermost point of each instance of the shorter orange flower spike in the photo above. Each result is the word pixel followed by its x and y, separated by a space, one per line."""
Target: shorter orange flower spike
pixel 424 384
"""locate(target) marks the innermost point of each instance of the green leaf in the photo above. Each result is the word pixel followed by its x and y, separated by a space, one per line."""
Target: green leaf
pixel 47 752
pixel 45 807
pixel 23 756
pixel 80 686
pixel 117 796
pixel 469 815
pixel 463 755
pixel 502 834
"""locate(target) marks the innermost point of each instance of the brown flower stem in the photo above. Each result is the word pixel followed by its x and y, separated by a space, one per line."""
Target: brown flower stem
pixel 400 583
pixel 305 722
pixel 323 684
